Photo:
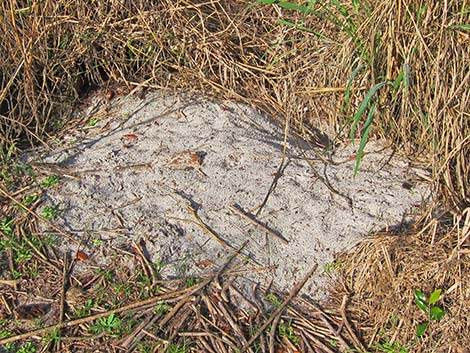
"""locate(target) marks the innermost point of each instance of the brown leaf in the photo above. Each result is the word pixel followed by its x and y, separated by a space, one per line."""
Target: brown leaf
pixel 204 263
pixel 81 255
pixel 131 137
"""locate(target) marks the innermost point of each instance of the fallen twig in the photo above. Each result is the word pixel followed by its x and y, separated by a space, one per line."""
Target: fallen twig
pixel 292 294
pixel 239 211
pixel 174 295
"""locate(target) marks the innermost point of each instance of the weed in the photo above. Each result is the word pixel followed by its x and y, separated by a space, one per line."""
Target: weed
pixel 57 124
pixel 162 308
pixel 50 181
pixel 92 122
pixel 6 226
pixel 367 103
pixel 5 334
pixel 96 240
pixel 143 278
pixel 30 199
pixel 390 348
pixel 331 267
pixel 107 275
pixel 39 322
pixel 16 274
pixel 51 212
pixel 158 267
pixel 286 330
pixel 273 299
pixel 192 281
pixel 6 156
pixel 20 249
pixel 85 310
pixel 111 326
pixel 433 312
pixel 145 347
pixel 27 348
pixel 332 342
pixel 10 171
pixel 53 338
pixel 123 290
pixel 177 348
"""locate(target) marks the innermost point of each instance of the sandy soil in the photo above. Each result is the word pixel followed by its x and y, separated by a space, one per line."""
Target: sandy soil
pixel 187 176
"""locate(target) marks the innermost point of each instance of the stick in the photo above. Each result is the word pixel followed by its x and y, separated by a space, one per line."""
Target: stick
pixel 356 341
pixel 175 295
pixel 293 293
pixel 222 242
pixel 239 211
pixel 64 285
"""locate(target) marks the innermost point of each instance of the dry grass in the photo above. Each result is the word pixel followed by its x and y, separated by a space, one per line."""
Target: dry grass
pixel 53 52
pixel 381 276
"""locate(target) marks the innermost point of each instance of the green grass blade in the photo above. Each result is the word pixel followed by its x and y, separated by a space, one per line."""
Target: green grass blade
pixel 364 105
pixel 365 134
pixel 289 5
pixel 461 26
pixel 347 96
pixel 396 84
pixel 303 28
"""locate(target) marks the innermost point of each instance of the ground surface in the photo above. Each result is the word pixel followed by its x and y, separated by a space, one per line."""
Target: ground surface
pixel 183 175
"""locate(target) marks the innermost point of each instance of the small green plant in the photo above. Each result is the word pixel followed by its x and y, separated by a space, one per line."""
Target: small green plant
pixel 85 310
pixel 144 347
pixel 52 338
pixel 285 330
pixel 6 226
pixel 96 239
pixel 332 342
pixel 143 278
pixel 162 308
pixel 158 267
pixel 433 312
pixel 177 348
pixel 123 290
pixel 50 180
pixel 50 212
pixel 192 281
pixel 27 348
pixel 111 326
pixel 92 122
pixel 273 299
pixel 21 250
pixel 390 348
pixel 331 267
pixel 58 124
pixel 4 334
pixel 30 199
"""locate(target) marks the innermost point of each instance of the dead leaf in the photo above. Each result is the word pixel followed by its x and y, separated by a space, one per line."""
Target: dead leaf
pixel 131 137
pixel 185 160
pixel 204 263
pixel 81 255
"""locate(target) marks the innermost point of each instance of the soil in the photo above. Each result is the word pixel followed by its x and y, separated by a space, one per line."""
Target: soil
pixel 186 177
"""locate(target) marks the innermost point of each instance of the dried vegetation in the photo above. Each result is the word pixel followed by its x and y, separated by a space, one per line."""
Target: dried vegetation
pixel 310 68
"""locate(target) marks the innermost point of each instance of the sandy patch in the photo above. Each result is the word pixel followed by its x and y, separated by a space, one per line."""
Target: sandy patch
pixel 159 165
